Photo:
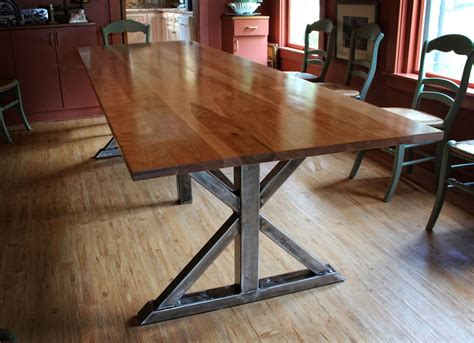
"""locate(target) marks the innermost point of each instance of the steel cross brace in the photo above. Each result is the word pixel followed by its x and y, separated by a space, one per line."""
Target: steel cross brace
pixel 245 196
pixel 111 149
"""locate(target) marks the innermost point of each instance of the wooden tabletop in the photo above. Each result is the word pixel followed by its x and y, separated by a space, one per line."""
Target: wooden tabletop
pixel 179 107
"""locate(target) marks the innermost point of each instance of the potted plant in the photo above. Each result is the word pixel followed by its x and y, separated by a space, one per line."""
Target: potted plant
pixel 244 7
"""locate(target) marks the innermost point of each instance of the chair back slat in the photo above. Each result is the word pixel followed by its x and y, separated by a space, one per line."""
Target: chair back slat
pixel 436 81
pixel 460 44
pixel 437 96
pixel 361 63
pixel 316 61
pixel 324 26
pixel 122 26
pixel 318 52
pixel 360 73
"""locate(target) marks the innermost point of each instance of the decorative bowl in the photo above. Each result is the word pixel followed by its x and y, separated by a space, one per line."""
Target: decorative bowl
pixel 244 8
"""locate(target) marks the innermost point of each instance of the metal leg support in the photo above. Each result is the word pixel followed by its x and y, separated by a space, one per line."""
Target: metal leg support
pixel 244 226
pixel 111 149
pixel 357 163
pixel 185 190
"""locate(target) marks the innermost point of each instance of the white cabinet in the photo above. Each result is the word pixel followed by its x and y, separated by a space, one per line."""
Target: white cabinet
pixel 165 25
pixel 155 20
pixel 185 30
pixel 172 26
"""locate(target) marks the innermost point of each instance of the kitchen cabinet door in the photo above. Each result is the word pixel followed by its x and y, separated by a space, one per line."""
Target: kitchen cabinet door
pixel 251 48
pixel 7 65
pixel 153 22
pixel 161 24
pixel 75 84
pixel 37 69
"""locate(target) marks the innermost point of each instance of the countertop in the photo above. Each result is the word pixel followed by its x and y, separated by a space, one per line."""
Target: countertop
pixel 174 10
pixel 43 26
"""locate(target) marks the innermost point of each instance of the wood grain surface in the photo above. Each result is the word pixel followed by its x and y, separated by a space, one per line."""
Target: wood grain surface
pixel 179 107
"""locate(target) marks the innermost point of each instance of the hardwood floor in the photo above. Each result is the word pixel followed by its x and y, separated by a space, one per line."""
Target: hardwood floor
pixel 83 247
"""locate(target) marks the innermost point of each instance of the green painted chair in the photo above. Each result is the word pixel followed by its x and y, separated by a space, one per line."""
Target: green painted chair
pixel 7 336
pixel 5 87
pixel 462 150
pixel 122 26
pixel 359 67
pixel 461 45
pixel 317 57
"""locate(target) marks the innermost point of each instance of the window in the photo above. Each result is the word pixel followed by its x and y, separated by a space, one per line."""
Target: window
pixel 302 13
pixel 446 17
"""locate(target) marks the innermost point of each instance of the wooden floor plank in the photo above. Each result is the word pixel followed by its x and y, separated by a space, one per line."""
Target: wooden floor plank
pixel 83 247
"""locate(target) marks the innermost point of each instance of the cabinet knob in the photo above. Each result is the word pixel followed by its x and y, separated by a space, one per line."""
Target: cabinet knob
pixel 236 45
pixel 251 27
pixel 51 39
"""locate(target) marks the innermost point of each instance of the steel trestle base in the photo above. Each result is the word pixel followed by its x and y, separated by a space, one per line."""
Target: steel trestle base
pixel 245 197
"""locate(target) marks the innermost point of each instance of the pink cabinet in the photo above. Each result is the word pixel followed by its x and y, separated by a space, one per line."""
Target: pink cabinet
pixel 7 64
pixel 49 67
pixel 37 69
pixel 246 37
pixel 76 88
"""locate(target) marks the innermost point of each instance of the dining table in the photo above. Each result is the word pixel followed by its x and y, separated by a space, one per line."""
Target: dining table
pixel 187 110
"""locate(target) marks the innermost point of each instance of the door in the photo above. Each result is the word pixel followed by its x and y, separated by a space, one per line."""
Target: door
pixel 76 88
pixel 37 69
pixel 252 48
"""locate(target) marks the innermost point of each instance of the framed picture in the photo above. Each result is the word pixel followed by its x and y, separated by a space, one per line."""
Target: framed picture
pixel 352 14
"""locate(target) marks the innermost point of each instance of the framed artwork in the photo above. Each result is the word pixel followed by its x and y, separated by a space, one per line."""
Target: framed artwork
pixel 352 14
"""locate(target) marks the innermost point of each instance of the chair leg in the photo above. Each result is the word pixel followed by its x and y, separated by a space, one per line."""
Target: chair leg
pixel 440 148
pixel 357 163
pixel 21 109
pixel 4 127
pixel 396 173
pixel 410 157
pixel 442 188
pixel 7 335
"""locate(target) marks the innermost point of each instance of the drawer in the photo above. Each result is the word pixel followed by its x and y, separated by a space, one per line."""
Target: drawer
pixel 250 27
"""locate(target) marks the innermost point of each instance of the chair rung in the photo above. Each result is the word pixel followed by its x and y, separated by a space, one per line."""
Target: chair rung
pixel 465 186
pixel 420 160
pixel 463 165
pixel 415 145
pixel 6 107
pixel 389 150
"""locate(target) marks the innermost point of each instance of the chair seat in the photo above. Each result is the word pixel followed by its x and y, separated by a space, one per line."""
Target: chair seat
pixel 419 116
pixel 305 76
pixel 341 89
pixel 464 149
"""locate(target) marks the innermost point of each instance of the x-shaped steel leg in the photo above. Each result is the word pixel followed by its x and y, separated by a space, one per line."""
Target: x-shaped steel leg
pixel 245 196
pixel 111 149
